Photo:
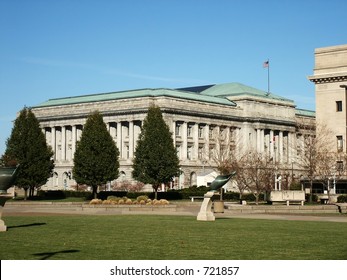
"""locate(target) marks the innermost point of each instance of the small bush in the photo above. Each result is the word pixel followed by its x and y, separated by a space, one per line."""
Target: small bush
pixel 142 197
pixel 342 198
pixel 95 201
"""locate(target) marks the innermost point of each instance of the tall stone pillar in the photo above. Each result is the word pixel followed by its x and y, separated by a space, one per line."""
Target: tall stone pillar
pixel 53 141
pixel 272 143
pixel 280 146
pixel 173 130
pixel 184 141
pixel 119 138
pixel 73 139
pixel 258 140
pixel 63 143
pixel 262 140
pixel 207 142
pixel 196 141
pixel 131 139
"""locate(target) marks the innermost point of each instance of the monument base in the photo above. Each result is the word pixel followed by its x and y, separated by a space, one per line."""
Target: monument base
pixel 3 227
pixel 3 199
pixel 206 213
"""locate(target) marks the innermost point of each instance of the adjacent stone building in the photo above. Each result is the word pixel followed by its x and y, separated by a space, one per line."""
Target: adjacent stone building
pixel 203 120
pixel 330 78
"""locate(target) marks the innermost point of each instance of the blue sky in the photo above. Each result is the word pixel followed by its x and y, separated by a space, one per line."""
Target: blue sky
pixel 63 48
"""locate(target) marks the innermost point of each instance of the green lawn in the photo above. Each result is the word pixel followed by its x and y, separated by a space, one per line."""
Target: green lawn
pixel 169 237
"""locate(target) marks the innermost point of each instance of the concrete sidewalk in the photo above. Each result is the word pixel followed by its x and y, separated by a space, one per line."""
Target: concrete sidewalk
pixel 180 209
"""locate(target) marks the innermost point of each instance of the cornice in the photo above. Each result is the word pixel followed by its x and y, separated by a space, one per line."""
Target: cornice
pixel 328 78
pixel 172 111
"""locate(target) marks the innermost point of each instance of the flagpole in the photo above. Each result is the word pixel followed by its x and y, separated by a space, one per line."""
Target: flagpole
pixel 268 76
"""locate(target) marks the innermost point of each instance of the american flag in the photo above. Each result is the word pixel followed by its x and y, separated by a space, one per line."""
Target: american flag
pixel 266 64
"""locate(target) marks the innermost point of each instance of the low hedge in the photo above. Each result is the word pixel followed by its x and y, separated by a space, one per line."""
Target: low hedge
pixel 342 198
pixel 169 195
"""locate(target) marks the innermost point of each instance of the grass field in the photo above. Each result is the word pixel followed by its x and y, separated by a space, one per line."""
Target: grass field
pixel 169 237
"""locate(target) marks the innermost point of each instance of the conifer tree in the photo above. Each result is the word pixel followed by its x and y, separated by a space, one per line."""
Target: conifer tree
pixel 96 157
pixel 155 160
pixel 27 147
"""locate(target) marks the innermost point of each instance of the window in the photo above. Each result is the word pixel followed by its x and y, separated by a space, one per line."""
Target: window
pixel 200 152
pixel 189 152
pixel 201 132
pixel 190 131
pixel 339 166
pixel 178 151
pixel 210 132
pixel 338 106
pixel 339 143
pixel 178 129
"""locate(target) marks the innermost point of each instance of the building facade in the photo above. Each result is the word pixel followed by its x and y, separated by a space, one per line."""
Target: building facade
pixel 330 79
pixel 203 120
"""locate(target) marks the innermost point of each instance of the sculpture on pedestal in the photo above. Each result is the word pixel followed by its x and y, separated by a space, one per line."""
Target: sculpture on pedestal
pixel 7 176
pixel 206 213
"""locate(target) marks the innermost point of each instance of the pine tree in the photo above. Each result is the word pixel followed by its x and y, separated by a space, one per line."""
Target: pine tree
pixel 155 160
pixel 27 147
pixel 96 157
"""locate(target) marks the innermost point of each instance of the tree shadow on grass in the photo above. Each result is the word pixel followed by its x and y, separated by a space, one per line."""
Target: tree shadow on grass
pixel 27 225
pixel 48 255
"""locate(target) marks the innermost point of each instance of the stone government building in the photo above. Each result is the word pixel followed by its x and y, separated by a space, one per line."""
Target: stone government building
pixel 265 122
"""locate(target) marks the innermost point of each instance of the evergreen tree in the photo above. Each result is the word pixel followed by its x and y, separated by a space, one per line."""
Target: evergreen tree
pixel 27 147
pixel 155 160
pixel 96 157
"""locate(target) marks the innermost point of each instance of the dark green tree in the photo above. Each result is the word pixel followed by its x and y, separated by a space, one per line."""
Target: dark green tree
pixel 96 157
pixel 155 160
pixel 27 147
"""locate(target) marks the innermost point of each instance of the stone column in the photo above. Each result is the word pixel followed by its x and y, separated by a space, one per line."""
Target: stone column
pixel 271 143
pixel 119 138
pixel 53 141
pixel 74 131
pixel 63 143
pixel 237 141
pixel 280 146
pixel 207 142
pixel 184 141
pixel 173 127
pixel 196 141
pixel 262 140
pixel 131 139
pixel 291 147
pixel 258 140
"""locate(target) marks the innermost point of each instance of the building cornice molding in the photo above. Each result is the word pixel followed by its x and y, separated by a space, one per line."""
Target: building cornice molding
pixel 172 111
pixel 328 78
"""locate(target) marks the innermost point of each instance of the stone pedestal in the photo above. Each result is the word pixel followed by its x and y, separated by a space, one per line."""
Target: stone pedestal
pixel 206 213
pixel 3 199
pixel 218 206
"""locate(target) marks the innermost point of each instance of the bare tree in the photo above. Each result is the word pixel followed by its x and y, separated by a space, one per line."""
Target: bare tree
pixel 315 154
pixel 256 173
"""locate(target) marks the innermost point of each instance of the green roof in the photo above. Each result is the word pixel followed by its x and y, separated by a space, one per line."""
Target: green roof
pixel 136 94
pixel 304 112
pixel 237 89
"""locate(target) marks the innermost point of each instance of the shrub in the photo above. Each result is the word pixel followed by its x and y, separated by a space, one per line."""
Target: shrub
pixel 342 198
pixel 142 197
pixel 314 197
pixel 95 201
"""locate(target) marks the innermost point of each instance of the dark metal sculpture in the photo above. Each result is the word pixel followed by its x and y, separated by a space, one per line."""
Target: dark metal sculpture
pixel 7 176
pixel 221 180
